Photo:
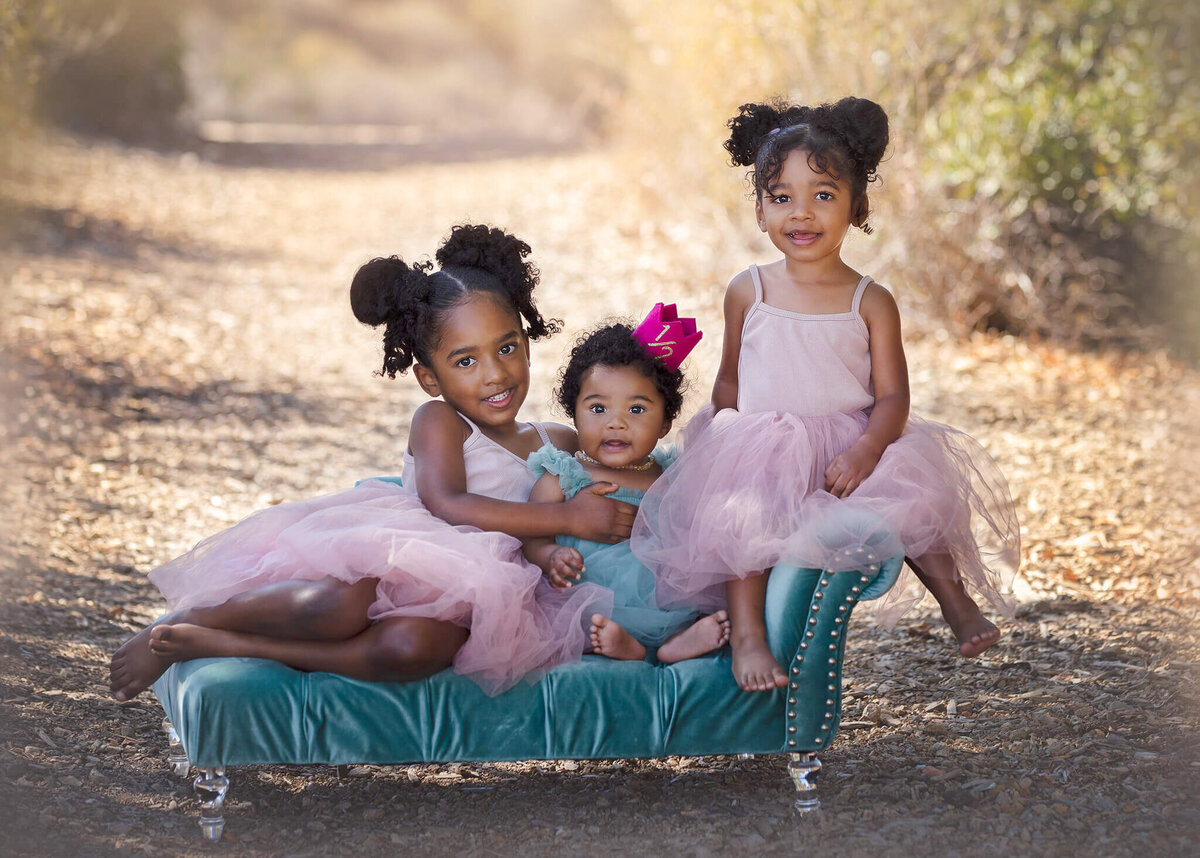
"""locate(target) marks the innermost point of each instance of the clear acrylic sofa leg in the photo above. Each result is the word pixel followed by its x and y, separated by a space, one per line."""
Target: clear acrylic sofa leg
pixel 804 769
pixel 176 758
pixel 210 787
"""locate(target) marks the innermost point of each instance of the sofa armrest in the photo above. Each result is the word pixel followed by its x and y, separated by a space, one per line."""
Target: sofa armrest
pixel 807 613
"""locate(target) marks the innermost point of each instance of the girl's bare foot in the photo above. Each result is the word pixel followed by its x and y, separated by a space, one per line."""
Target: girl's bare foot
pixel 974 633
pixel 184 641
pixel 612 641
pixel 754 668
pixel 135 666
pixel 704 635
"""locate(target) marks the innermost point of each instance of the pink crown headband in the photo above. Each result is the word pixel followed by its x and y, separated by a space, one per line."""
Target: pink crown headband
pixel 666 336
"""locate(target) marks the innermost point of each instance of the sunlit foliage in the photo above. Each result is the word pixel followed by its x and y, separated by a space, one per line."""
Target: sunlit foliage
pixel 1041 155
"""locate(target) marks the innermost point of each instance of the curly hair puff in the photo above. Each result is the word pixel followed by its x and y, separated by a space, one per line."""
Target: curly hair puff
pixel 411 300
pixel 847 138
pixel 614 345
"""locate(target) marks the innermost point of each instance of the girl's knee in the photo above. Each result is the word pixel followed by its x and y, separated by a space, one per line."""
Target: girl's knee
pixel 333 610
pixel 407 648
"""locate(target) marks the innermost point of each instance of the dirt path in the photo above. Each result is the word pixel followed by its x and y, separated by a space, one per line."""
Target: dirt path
pixel 177 352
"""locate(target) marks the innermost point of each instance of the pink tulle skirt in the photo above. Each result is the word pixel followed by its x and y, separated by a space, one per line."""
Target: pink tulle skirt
pixel 747 492
pixel 519 625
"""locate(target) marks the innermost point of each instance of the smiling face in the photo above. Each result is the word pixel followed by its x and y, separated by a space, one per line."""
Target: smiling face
pixel 619 415
pixel 806 213
pixel 480 364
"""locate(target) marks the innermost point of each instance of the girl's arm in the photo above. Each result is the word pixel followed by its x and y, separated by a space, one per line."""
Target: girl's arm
pixel 560 564
pixel 436 440
pixel 738 298
pixel 889 376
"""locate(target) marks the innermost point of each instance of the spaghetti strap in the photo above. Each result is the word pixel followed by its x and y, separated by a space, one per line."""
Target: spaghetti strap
pixel 541 430
pixel 858 294
pixel 758 287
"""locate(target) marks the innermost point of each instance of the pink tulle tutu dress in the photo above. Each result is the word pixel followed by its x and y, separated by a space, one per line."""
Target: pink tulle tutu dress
pixel 519 624
pixel 747 491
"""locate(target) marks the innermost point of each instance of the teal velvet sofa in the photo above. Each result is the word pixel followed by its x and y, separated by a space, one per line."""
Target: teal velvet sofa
pixel 230 712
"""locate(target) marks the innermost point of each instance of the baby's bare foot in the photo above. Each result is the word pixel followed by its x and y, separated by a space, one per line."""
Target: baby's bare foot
pixel 612 641
pixel 135 667
pixel 704 635
pixel 754 668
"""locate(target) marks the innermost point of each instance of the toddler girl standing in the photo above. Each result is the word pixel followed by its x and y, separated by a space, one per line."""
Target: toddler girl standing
pixel 809 435
pixel 384 581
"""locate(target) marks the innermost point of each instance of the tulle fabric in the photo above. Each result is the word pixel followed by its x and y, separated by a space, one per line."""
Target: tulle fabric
pixel 748 493
pixel 613 567
pixel 519 625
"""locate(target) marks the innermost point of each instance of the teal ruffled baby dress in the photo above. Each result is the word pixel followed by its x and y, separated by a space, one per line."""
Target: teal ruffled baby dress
pixel 614 566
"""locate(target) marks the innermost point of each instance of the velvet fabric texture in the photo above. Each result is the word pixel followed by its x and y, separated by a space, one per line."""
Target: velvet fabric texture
pixel 236 711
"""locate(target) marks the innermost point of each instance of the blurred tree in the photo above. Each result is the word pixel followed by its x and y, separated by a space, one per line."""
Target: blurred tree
pixel 115 67
pixel 26 26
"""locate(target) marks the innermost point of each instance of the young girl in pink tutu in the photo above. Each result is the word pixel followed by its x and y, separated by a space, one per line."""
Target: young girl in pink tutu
pixel 809 451
pixel 384 581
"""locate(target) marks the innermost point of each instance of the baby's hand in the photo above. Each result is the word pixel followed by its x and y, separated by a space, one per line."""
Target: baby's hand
pixel 598 519
pixel 848 470
pixel 566 565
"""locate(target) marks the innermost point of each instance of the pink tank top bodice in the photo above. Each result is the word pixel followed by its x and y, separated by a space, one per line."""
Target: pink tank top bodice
pixel 492 471
pixel 808 365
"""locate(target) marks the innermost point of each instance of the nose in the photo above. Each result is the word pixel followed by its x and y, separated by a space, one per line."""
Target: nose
pixel 493 370
pixel 616 418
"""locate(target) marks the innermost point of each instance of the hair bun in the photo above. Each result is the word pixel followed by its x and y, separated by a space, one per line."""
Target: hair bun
pixel 863 124
pixel 747 131
pixel 493 250
pixel 478 246
pixel 376 289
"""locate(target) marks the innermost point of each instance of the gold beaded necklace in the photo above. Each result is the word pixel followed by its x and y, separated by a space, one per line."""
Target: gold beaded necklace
pixel 645 465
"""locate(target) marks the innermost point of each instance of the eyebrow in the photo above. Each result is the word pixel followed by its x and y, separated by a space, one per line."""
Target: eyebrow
pixel 465 350
pixel 636 396
pixel 784 186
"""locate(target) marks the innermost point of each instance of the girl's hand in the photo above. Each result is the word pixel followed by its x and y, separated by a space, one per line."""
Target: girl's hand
pixel 848 470
pixel 598 519
pixel 564 566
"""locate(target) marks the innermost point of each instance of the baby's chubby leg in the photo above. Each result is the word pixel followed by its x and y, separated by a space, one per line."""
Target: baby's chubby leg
pixel 610 640
pixel 704 635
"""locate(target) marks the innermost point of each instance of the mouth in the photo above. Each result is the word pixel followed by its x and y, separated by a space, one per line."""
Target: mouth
pixel 801 237
pixel 500 399
pixel 614 446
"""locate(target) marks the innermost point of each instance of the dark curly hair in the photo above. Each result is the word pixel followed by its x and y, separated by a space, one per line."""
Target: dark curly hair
pixel 847 138
pixel 410 300
pixel 613 345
